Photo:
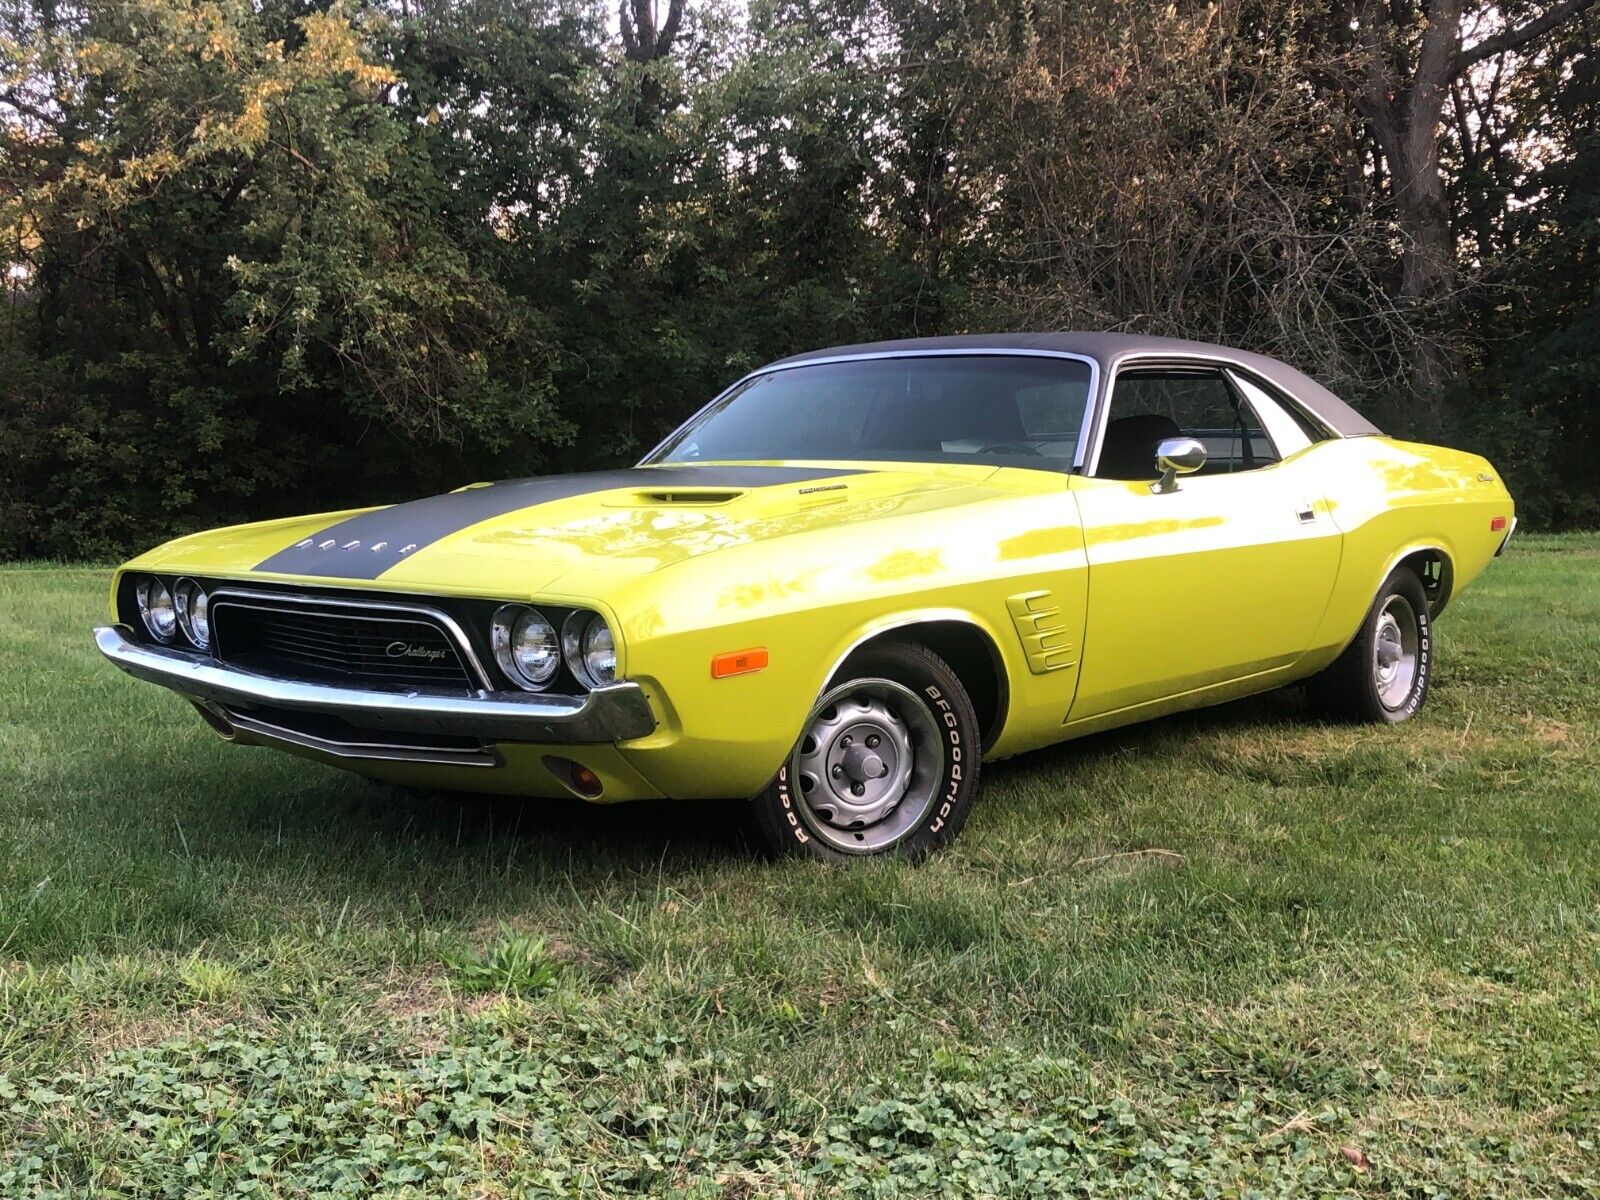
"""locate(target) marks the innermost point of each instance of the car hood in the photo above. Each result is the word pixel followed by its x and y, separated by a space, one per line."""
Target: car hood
pixel 569 532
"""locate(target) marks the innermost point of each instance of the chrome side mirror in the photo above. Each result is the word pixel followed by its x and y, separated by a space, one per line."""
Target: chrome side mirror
pixel 1174 457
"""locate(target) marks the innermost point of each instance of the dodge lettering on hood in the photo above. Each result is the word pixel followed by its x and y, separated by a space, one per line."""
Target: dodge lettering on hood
pixel 843 585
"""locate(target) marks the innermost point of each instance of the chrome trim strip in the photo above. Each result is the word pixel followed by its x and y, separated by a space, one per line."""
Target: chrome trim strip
pixel 265 732
pixel 616 713
pixel 961 352
pixel 299 602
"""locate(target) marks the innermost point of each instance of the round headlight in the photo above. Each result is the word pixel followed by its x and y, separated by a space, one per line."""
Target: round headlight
pixel 155 607
pixel 526 646
pixel 193 612
pixel 590 649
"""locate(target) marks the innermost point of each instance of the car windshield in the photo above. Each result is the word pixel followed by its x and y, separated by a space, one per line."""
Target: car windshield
pixel 999 410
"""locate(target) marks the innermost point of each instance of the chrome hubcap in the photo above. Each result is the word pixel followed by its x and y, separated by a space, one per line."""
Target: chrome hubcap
pixel 1394 652
pixel 867 766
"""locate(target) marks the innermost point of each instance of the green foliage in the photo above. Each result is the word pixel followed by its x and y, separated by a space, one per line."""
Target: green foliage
pixel 1533 405
pixel 236 1114
pixel 274 257
pixel 514 963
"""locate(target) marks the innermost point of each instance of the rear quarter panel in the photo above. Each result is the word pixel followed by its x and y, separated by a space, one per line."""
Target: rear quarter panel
pixel 1391 499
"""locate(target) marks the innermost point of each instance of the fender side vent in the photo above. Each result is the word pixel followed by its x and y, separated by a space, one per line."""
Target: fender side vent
pixel 1043 631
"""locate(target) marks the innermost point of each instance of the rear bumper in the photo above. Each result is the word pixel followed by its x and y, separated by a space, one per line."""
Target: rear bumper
pixel 617 713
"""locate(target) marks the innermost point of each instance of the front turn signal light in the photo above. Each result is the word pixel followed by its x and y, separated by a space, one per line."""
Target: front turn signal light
pixel 739 662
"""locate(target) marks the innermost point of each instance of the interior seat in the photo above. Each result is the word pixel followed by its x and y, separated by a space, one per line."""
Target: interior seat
pixel 1129 448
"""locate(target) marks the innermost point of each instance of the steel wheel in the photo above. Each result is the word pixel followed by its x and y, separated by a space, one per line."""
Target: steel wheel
pixel 868 767
pixel 1383 674
pixel 1394 652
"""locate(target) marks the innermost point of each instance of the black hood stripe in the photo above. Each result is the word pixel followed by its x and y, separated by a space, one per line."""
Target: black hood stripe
pixel 366 546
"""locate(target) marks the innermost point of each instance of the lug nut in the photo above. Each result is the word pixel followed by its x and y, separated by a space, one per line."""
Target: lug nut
pixel 873 741
pixel 847 741
pixel 837 770
pixel 856 789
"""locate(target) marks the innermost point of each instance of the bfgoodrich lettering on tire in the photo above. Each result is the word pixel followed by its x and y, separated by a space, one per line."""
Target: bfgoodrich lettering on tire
pixel 886 764
pixel 1383 675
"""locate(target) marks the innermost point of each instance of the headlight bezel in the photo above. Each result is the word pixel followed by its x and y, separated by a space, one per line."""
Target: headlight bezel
pixel 185 592
pixel 576 632
pixel 505 629
pixel 145 591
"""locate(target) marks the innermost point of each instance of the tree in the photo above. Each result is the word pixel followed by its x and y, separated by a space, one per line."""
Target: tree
pixel 1404 60
pixel 1166 172
pixel 240 257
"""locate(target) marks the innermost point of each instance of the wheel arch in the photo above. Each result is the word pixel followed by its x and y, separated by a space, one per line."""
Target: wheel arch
pixel 965 644
pixel 1434 566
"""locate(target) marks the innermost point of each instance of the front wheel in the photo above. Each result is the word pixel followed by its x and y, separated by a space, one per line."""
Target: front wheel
pixel 1383 675
pixel 887 763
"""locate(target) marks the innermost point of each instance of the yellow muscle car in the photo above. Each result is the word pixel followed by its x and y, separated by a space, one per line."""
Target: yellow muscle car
pixel 841 586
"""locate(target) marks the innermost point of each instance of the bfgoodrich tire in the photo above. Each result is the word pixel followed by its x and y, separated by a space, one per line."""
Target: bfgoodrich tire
pixel 886 764
pixel 1384 674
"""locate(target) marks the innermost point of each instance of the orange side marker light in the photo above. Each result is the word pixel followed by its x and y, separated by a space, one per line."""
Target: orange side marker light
pixel 739 662
pixel 1496 524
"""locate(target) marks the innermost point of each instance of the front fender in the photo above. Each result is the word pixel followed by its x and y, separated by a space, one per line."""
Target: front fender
pixel 728 737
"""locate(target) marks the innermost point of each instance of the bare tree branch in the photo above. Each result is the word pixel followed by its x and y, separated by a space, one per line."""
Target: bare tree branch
pixel 1521 35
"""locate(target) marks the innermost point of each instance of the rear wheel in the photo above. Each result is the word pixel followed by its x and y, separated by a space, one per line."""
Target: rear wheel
pixel 886 765
pixel 1383 675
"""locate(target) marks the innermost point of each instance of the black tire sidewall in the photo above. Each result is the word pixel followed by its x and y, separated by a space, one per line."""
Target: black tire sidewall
pixel 1405 584
pixel 780 825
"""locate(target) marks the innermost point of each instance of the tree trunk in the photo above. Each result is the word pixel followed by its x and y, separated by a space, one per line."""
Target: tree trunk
pixel 1409 55
pixel 646 38
pixel 1426 270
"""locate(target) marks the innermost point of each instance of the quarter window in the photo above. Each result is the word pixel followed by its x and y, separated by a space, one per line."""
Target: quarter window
pixel 1287 428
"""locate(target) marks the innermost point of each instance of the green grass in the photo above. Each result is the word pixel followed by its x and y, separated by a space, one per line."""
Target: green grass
pixel 1374 969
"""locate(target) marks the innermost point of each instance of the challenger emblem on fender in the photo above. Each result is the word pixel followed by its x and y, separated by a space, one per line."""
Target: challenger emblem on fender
pixel 418 523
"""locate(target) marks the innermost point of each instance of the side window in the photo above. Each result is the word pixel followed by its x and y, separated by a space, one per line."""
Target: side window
pixel 1148 406
pixel 1290 429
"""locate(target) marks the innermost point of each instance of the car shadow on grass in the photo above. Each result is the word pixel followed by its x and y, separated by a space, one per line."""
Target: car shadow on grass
pixel 669 835
pixel 341 832
pixel 1285 708
pixel 642 831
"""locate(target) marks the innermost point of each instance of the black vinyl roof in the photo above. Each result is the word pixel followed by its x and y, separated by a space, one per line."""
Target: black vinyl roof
pixel 1111 350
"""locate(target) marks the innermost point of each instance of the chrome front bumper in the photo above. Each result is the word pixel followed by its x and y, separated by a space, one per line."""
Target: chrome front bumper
pixel 609 714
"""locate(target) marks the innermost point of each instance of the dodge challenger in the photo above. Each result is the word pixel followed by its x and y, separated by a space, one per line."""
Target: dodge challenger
pixel 842 586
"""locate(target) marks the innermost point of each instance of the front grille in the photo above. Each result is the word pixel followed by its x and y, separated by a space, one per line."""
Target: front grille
pixel 323 642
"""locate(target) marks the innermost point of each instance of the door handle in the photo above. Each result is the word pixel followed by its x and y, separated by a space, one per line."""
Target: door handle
pixel 1306 513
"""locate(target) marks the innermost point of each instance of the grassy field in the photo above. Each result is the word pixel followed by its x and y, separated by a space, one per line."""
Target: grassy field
pixel 1366 961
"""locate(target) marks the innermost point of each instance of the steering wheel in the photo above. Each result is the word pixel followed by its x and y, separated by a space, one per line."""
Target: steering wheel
pixel 1012 448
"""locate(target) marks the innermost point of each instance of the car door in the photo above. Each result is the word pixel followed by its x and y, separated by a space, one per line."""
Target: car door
pixel 1221 579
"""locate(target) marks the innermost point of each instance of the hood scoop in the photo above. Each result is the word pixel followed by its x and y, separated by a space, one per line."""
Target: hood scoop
pixel 688 497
